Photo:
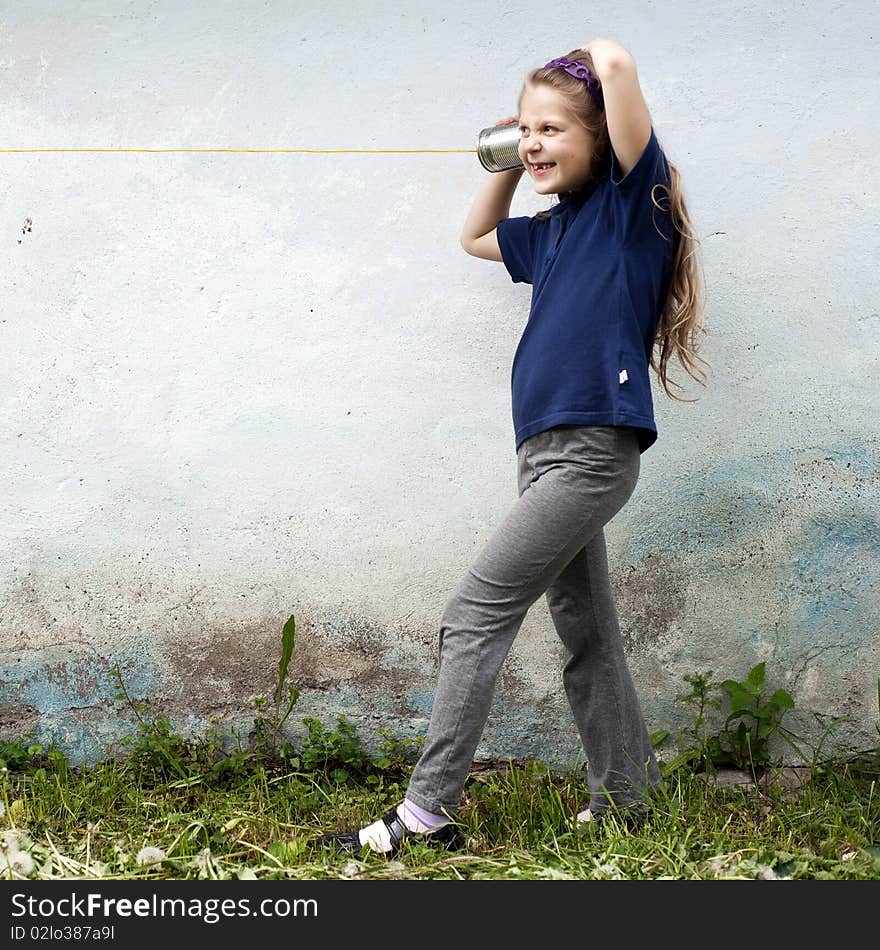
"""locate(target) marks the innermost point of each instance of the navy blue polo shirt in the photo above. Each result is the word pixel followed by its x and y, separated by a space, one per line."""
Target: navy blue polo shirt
pixel 599 272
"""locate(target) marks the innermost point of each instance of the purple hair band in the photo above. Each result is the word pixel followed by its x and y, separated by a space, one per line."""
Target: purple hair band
pixel 579 71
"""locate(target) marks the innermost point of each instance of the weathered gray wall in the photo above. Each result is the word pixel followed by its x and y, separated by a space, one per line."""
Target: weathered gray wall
pixel 240 386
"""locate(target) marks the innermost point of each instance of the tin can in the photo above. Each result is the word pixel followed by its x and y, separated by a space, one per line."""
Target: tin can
pixel 497 147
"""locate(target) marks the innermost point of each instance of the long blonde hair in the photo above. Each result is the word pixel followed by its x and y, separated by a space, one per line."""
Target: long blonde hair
pixel 680 324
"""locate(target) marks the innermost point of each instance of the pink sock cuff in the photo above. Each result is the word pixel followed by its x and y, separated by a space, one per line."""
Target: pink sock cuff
pixel 425 817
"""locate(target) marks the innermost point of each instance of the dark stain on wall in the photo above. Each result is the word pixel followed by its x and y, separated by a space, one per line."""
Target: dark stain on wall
pixel 17 720
pixel 334 652
pixel 649 595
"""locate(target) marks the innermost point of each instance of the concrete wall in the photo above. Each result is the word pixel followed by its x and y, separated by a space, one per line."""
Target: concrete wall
pixel 243 386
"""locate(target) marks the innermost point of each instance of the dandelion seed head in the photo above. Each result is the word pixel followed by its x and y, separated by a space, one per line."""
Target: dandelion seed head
pixel 11 841
pixel 202 859
pixel 351 869
pixel 21 862
pixel 149 855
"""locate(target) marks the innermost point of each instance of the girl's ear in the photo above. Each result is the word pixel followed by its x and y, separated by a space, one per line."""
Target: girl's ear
pixel 626 113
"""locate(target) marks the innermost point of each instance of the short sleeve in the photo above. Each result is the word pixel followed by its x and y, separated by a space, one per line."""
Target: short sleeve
pixel 516 243
pixel 633 201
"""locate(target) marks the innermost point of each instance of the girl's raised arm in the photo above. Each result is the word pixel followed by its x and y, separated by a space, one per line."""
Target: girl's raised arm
pixel 479 236
pixel 626 112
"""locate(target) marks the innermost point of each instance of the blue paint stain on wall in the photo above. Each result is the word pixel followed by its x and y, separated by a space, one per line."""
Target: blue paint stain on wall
pixel 861 461
pixel 835 574
pixel 713 506
pixel 69 678
pixel 736 501
pixel 421 700
pixel 73 690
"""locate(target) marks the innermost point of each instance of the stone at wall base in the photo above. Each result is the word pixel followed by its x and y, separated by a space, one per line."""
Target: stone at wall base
pixel 787 780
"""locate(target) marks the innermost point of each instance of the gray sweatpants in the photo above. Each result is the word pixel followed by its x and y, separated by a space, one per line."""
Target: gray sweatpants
pixel 572 480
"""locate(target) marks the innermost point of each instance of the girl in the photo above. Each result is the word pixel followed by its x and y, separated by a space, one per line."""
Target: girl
pixel 613 274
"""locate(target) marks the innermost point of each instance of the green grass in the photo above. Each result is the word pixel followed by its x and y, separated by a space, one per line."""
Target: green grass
pixel 258 817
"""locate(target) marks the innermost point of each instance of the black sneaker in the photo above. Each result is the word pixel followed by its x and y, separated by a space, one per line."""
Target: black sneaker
pixel 448 835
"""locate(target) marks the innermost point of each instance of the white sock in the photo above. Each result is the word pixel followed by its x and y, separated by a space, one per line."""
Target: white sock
pixel 417 819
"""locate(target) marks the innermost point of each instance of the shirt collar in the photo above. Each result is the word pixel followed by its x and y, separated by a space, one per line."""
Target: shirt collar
pixel 574 199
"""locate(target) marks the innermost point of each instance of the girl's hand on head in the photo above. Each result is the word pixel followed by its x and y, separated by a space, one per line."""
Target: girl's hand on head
pixel 508 120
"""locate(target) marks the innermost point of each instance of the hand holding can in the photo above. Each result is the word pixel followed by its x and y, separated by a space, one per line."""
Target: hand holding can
pixel 497 147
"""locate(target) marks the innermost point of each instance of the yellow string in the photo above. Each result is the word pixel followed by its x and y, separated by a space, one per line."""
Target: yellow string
pixel 323 150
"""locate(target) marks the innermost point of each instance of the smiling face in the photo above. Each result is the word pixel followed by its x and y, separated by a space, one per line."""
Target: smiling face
pixel 550 134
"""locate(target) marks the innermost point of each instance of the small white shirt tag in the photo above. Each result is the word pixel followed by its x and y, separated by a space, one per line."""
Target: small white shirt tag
pixel 623 376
